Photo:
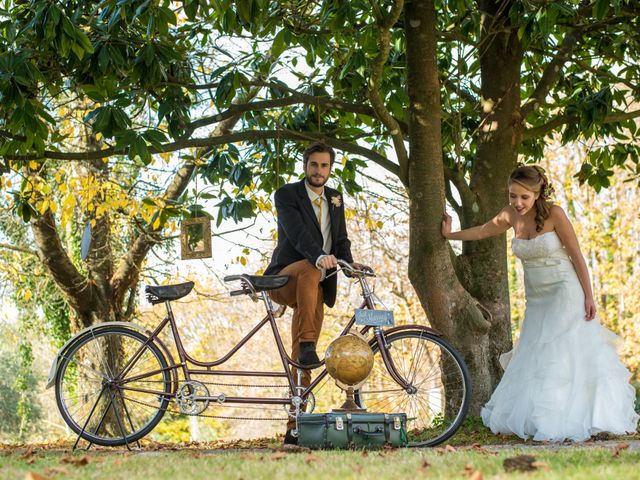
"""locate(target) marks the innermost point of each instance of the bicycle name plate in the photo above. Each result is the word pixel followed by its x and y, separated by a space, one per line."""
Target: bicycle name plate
pixel 374 318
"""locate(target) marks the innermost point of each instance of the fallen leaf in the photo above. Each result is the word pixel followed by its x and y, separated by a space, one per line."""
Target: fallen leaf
pixel 53 471
pixel 618 448
pixel 28 452
pixel 425 465
pixel 311 458
pixel 541 466
pixel 278 455
pixel 75 461
pixel 30 460
pixel 356 468
pixel 471 473
pixel 34 476
pixel 521 463
pixel 449 448
pixel 480 449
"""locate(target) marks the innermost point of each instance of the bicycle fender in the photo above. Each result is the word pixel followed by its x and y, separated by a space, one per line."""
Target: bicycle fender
pixel 402 328
pixel 54 367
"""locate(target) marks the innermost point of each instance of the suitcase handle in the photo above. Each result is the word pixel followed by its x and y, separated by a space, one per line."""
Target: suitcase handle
pixel 366 433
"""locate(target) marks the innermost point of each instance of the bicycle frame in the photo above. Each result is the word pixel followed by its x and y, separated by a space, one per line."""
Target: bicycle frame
pixel 207 367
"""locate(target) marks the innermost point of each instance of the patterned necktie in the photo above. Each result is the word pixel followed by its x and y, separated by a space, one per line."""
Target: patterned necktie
pixel 318 203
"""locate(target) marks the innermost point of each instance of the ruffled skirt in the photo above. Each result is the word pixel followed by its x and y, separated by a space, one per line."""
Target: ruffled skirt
pixel 564 379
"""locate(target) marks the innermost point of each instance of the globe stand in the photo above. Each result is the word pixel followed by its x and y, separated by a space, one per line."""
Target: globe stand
pixel 350 404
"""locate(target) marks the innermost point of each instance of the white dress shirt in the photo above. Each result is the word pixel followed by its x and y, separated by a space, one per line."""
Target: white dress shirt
pixel 325 224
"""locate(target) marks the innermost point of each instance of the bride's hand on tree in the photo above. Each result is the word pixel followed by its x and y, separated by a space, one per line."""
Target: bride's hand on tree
pixel 446 225
pixel 589 309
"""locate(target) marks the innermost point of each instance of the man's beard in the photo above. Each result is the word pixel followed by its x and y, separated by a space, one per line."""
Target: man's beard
pixel 316 181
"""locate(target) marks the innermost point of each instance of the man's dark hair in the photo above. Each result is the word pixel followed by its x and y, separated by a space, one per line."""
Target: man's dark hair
pixel 316 147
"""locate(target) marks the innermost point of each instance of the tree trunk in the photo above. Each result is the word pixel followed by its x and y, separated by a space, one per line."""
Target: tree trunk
pixel 483 264
pixel 448 305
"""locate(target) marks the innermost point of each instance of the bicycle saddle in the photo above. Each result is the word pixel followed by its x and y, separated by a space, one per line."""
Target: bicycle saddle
pixel 162 293
pixel 261 282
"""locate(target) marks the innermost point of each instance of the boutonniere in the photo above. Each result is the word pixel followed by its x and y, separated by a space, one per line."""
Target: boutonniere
pixel 336 201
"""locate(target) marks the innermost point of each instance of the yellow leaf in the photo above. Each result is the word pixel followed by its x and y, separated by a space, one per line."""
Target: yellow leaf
pixel 243 261
pixel 27 295
pixel 156 223
pixel 43 207
pixel 9 184
pixel 98 136
pixel 33 164
pixel 53 207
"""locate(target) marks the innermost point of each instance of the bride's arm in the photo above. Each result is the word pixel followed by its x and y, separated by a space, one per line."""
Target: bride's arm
pixel 497 225
pixel 567 235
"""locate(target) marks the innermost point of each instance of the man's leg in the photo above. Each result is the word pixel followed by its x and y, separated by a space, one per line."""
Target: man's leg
pixel 304 295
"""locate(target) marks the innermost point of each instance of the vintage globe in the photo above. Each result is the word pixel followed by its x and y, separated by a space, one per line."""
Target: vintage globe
pixel 349 360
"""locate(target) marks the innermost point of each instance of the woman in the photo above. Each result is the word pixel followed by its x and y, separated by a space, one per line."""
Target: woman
pixel 564 379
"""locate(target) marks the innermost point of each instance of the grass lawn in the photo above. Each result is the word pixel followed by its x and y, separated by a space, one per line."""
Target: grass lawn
pixel 190 463
pixel 462 458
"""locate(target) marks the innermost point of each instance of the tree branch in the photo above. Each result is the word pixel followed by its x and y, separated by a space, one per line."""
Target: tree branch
pixel 247 136
pixel 551 73
pixel 28 251
pixel 560 120
pixel 385 23
pixel 456 176
pixel 76 287
pixel 293 99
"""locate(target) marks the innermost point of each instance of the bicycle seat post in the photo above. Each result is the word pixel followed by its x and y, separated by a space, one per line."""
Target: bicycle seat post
pixel 167 303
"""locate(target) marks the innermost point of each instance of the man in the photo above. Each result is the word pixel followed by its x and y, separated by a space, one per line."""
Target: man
pixel 312 235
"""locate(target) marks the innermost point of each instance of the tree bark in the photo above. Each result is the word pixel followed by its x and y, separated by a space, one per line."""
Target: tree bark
pixel 448 305
pixel 483 264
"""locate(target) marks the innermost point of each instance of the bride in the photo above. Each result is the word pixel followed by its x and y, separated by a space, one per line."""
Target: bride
pixel 564 379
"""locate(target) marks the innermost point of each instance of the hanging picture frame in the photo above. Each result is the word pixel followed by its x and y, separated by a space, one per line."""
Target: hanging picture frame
pixel 195 238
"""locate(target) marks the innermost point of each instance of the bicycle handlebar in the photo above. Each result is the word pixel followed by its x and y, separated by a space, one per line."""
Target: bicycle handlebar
pixel 348 270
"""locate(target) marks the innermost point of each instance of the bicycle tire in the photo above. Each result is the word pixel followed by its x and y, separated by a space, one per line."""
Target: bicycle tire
pixel 113 400
pixel 382 394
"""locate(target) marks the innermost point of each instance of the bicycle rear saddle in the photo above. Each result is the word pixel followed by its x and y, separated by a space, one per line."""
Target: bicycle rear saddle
pixel 162 293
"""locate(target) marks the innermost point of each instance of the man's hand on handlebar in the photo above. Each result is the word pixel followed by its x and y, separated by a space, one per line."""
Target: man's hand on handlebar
pixel 328 262
pixel 358 267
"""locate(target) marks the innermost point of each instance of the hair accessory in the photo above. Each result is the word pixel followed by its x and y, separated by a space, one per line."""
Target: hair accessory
pixel 547 191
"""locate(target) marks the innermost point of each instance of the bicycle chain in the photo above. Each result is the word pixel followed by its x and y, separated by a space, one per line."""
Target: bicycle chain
pixel 219 384
pixel 223 417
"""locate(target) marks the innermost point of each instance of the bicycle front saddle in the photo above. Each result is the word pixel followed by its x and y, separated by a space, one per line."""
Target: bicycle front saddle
pixel 261 282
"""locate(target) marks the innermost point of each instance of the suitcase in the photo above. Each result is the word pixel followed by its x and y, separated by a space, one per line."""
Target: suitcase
pixel 352 430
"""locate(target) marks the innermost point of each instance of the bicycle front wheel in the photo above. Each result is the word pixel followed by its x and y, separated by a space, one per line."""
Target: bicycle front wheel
pixel 111 388
pixel 439 392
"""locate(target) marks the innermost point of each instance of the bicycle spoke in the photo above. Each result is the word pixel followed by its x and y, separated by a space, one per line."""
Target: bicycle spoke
pixel 120 421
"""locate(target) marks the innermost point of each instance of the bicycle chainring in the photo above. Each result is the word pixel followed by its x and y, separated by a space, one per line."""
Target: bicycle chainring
pixel 192 397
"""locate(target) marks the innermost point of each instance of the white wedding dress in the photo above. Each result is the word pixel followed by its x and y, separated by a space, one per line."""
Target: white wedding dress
pixel 563 380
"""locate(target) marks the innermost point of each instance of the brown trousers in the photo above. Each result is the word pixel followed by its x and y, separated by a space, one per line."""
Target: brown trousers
pixel 303 294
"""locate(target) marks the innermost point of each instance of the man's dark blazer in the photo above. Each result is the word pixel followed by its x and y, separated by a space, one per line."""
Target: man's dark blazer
pixel 299 235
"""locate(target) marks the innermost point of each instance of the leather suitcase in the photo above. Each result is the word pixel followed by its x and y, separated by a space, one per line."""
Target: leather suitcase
pixel 352 430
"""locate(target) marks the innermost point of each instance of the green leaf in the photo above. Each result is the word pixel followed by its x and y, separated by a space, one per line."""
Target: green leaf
pixel 191 9
pixel 278 46
pixel 600 9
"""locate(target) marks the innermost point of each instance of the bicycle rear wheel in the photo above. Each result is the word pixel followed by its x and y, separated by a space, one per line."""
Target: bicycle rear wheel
pixel 98 401
pixel 438 398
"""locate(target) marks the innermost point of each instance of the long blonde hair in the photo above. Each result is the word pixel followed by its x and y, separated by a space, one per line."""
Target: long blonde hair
pixel 534 179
